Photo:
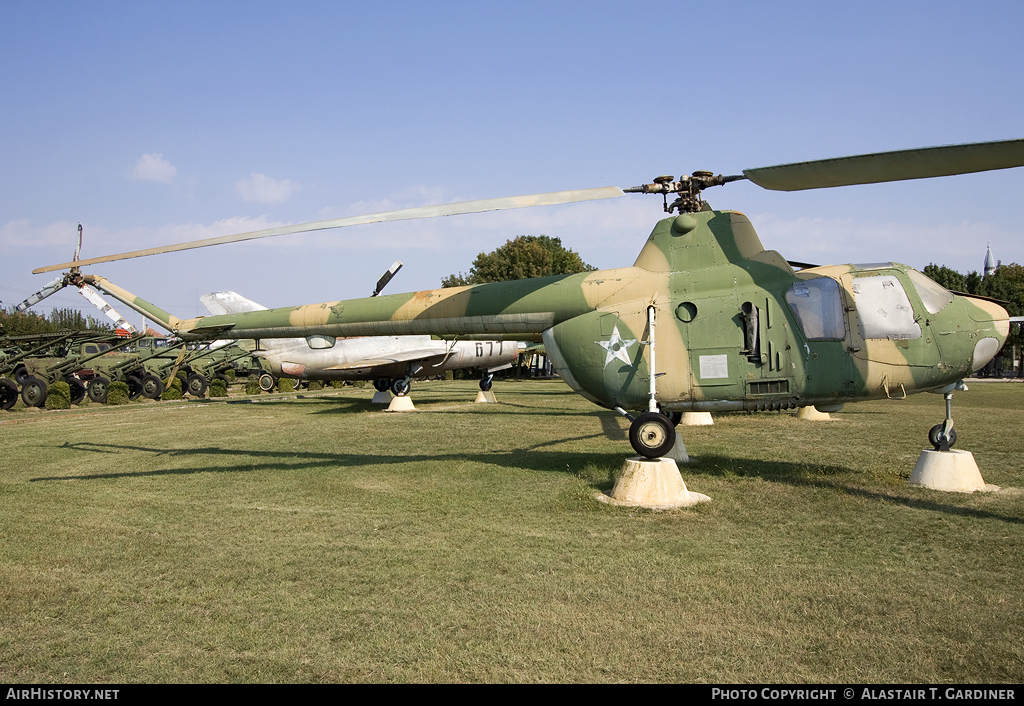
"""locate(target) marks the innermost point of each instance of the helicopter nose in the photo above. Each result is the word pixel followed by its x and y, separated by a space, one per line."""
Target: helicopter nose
pixel 994 327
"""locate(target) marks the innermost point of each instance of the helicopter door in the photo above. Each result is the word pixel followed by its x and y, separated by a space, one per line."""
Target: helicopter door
pixel 713 334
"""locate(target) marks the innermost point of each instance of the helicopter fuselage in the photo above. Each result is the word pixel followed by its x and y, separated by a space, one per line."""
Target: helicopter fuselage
pixel 736 326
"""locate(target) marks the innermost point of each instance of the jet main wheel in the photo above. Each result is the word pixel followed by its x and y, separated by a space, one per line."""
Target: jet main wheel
pixel 652 435
pixel 485 382
pixel 152 386
pixel 97 389
pixel 267 382
pixel 196 384
pixel 8 393
pixel 381 384
pixel 935 432
pixel 77 390
pixel 400 386
pixel 33 392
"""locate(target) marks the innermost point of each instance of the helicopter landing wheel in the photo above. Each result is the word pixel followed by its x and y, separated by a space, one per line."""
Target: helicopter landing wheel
pixel 381 384
pixel 935 437
pixel 674 417
pixel 652 435
pixel 400 386
pixel 8 393
pixel 485 383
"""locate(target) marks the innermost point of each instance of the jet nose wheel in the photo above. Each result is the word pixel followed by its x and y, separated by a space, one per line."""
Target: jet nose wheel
pixel 652 435
pixel 485 382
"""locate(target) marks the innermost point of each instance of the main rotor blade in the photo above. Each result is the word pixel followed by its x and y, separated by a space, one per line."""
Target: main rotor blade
pixel 449 209
pixel 890 166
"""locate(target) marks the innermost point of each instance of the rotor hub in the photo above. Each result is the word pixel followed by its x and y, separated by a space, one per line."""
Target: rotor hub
pixel 687 186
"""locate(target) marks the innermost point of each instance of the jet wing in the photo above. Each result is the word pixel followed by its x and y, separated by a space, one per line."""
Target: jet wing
pixel 402 357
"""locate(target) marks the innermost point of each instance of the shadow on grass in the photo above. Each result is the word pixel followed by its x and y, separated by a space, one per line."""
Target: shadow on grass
pixel 548 461
pixel 811 476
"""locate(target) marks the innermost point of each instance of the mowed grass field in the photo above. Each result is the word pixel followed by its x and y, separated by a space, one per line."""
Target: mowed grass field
pixel 318 539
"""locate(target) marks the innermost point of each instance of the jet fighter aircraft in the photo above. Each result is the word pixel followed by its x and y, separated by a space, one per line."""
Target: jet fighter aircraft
pixel 390 361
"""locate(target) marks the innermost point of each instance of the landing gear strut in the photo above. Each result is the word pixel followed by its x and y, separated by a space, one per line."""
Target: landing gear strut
pixel 943 436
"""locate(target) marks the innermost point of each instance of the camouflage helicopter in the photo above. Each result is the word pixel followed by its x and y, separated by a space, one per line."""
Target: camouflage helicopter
pixel 706 319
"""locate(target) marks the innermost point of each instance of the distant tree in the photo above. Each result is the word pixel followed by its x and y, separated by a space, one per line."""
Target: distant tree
pixel 526 256
pixel 950 279
pixel 14 323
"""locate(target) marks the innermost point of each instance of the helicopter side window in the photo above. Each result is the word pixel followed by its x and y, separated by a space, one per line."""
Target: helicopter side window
pixel 933 295
pixel 885 310
pixel 818 308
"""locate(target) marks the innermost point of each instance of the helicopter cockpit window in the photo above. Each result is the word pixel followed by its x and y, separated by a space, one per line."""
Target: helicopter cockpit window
pixel 933 295
pixel 884 308
pixel 818 307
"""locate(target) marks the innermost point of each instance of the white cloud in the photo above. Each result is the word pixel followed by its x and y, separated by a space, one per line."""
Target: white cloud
pixel 263 189
pixel 153 167
pixel 21 233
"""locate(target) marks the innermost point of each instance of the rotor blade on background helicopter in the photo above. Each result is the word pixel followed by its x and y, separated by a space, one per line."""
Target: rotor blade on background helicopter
pixel 890 166
pixel 50 288
pixel 450 209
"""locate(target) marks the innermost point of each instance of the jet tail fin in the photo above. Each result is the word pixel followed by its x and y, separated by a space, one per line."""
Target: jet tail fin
pixel 220 303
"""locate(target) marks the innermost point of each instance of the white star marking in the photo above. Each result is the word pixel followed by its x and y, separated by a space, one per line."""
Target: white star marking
pixel 617 347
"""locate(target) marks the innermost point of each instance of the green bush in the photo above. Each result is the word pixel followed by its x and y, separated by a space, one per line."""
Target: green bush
pixel 218 388
pixel 230 374
pixel 337 384
pixel 285 385
pixel 58 396
pixel 252 385
pixel 315 385
pixel 173 391
pixel 117 393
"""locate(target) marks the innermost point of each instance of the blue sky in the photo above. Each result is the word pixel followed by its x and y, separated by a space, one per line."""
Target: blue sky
pixel 164 122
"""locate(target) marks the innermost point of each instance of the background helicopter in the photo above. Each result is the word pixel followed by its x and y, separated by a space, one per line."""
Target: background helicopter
pixel 705 319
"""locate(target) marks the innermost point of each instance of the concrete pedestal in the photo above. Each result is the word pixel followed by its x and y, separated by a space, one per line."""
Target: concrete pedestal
pixel 401 404
pixel 952 471
pixel 485 397
pixel 810 414
pixel 651 483
pixel 696 419
pixel 381 397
